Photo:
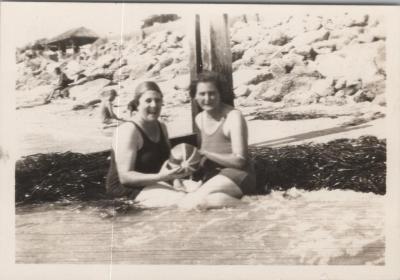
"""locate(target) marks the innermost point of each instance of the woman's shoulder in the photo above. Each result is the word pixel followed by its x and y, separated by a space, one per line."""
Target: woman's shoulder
pixel 198 117
pixel 232 113
pixel 127 132
pixel 164 128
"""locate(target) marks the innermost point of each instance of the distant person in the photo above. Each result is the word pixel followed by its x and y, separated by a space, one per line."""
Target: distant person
pixel 108 117
pixel 62 86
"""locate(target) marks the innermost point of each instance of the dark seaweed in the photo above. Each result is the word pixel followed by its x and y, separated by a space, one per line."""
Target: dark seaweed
pixel 356 164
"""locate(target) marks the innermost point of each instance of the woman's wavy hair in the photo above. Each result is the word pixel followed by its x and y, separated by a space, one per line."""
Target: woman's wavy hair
pixel 139 91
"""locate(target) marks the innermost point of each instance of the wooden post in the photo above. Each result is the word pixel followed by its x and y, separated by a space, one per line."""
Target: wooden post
pixel 209 45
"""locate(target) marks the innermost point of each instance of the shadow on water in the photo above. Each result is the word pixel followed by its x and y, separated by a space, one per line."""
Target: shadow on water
pixel 308 135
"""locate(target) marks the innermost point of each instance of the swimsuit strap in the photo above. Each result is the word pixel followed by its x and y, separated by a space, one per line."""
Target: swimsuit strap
pixel 144 135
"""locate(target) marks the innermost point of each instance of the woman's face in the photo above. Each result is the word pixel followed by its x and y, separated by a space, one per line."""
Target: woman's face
pixel 150 104
pixel 207 96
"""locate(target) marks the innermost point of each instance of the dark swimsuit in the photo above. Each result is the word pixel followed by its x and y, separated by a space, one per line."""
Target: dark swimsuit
pixel 150 157
pixel 217 142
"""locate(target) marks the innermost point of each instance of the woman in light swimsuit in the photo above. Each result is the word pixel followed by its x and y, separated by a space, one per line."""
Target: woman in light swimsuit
pixel 227 172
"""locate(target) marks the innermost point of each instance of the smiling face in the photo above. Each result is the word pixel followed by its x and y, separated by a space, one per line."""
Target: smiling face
pixel 150 104
pixel 207 96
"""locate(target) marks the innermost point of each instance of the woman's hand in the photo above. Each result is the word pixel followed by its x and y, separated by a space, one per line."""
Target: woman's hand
pixel 204 157
pixel 167 174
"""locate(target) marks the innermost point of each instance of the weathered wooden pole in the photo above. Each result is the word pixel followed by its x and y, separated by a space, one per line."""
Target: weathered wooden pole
pixel 209 45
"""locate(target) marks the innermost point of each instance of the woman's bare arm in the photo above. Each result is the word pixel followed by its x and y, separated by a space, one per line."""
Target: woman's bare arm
pixel 126 145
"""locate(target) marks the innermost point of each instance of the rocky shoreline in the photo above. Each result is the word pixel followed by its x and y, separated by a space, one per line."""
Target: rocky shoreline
pixel 293 61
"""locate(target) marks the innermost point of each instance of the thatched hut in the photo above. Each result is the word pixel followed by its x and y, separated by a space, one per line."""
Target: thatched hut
pixel 73 38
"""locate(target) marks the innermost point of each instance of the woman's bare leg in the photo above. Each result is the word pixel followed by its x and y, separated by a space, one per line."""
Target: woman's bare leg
pixel 205 195
pixel 159 195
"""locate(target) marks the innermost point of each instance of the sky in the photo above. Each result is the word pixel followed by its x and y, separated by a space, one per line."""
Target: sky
pixel 25 22
pixel 32 21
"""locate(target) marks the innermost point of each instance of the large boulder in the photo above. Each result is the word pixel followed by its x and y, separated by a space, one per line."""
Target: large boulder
pixel 300 97
pixel 279 38
pixel 353 62
pixel 268 91
pixel 323 87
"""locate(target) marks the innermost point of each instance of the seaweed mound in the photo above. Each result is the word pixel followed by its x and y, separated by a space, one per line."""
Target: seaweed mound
pixel 356 164
pixel 58 176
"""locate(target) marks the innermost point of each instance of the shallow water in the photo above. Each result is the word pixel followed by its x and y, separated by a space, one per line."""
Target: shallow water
pixel 293 227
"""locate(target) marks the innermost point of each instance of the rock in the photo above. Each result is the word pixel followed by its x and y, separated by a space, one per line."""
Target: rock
pixel 305 71
pixel 300 97
pixel 324 46
pixel 165 62
pixel 375 88
pixel 378 32
pixel 140 65
pixel 248 77
pixel 122 73
pixel 291 60
pixel 362 96
pixel 380 60
pixel 73 68
pixel 237 52
pixel 310 37
pixel 242 91
pixel 322 87
pixel 347 34
pixel 333 100
pixel 340 83
pixel 264 48
pixel 380 100
pixel 249 33
pixel 237 65
pixel 182 82
pixel 278 67
pixel 340 94
pixel 105 61
pixel 261 60
pixel 306 51
pixel 365 38
pixel 353 62
pixel 278 38
pixel 313 23
pixel 267 92
pixel 248 56
pixel 352 86
pixel 356 20
pixel 88 91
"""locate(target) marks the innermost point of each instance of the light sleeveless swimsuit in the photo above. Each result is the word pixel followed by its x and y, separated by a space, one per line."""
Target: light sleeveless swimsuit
pixel 217 142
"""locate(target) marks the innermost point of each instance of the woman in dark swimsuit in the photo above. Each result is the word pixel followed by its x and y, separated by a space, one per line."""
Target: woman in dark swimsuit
pixel 228 172
pixel 140 148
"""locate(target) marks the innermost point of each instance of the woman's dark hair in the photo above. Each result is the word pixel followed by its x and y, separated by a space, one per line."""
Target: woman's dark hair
pixel 207 77
pixel 139 91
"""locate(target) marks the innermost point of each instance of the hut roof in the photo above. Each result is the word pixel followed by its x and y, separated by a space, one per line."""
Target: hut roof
pixel 80 36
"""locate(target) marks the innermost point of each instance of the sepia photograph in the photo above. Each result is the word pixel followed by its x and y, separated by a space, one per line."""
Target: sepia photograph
pixel 200 136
